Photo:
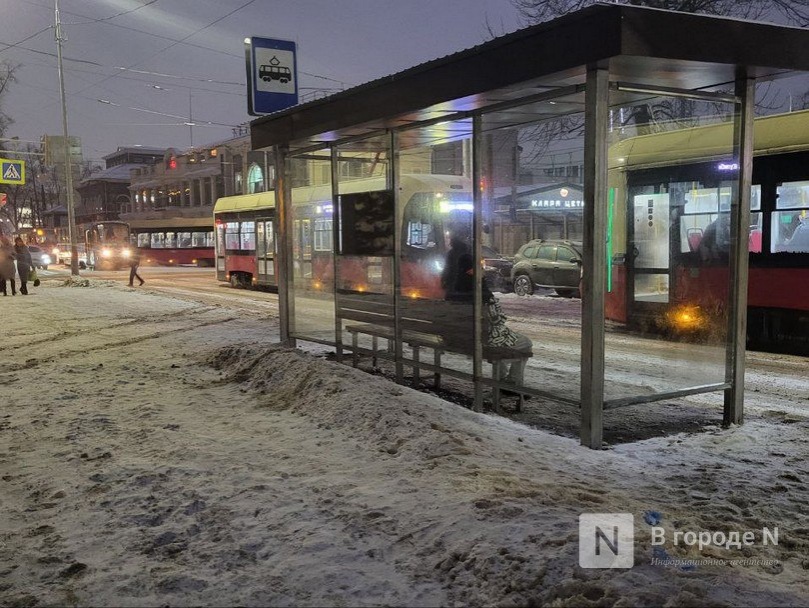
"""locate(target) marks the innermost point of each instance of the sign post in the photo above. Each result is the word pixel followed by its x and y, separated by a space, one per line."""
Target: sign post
pixel 272 75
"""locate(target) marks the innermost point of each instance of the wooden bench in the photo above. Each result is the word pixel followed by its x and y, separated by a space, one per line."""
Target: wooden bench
pixel 444 327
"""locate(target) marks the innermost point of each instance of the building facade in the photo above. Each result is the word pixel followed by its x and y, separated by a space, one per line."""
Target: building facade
pixel 105 195
pixel 187 184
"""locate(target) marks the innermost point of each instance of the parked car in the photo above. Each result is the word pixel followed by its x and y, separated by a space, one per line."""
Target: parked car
pixel 548 263
pixel 497 269
pixel 39 259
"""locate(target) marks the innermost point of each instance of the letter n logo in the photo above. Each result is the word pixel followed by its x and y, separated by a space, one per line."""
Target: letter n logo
pixel 606 540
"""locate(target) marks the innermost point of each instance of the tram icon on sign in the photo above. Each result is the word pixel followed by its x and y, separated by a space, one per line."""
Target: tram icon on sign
pixel 274 71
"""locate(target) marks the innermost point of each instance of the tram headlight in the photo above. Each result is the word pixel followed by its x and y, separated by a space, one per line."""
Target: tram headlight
pixel 106 253
pixel 686 317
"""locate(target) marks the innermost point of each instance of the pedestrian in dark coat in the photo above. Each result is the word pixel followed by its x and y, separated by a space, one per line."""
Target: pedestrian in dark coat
pixel 450 273
pixel 7 270
pixel 24 263
pixel 134 262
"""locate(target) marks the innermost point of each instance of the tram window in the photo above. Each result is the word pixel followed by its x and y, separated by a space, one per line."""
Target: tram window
pixel 158 240
pixel 420 235
pixel 209 239
pixel 198 239
pixel 232 235
pixel 323 235
pixel 144 240
pixel 183 240
pixel 792 195
pixel 171 240
pixel 248 236
pixel 705 214
pixel 790 231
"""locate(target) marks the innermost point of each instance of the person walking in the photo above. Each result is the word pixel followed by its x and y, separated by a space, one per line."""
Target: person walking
pixel 7 266
pixel 24 264
pixel 134 262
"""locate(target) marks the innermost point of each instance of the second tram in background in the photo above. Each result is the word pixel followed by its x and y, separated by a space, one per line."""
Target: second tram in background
pixel 174 242
pixel 107 245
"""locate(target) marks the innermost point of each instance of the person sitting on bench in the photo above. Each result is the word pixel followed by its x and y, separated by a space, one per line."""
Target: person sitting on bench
pixel 496 332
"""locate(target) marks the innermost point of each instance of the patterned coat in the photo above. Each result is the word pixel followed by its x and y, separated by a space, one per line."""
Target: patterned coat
pixel 498 334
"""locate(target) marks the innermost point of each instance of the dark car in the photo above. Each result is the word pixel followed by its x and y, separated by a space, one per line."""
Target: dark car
pixel 548 263
pixel 497 269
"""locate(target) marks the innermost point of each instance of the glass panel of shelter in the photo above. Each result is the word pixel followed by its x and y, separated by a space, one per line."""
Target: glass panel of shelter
pixel 434 224
pixel 671 187
pixel 311 277
pixel 532 159
pixel 364 247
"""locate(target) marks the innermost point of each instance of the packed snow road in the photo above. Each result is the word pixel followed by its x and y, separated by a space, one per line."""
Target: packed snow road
pixel 156 448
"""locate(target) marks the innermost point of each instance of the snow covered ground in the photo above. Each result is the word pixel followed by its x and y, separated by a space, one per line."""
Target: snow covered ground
pixel 157 448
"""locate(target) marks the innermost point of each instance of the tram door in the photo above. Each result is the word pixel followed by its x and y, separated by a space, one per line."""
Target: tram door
pixel 265 251
pixel 302 249
pixel 220 251
pixel 649 259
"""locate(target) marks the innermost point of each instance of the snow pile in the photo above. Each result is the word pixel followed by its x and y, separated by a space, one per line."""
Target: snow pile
pixel 371 409
pixel 85 282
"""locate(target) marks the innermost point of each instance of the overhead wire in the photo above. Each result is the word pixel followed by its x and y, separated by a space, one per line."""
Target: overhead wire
pixel 168 38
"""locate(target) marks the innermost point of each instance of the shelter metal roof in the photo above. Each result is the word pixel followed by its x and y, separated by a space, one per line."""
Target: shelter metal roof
pixel 640 45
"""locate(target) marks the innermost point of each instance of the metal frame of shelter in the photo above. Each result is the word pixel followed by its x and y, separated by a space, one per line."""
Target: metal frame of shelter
pixel 603 52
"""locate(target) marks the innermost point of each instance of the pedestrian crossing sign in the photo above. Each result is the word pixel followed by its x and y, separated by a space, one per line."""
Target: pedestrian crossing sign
pixel 12 171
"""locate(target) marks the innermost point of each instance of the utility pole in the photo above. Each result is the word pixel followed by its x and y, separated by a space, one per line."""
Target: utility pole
pixel 71 210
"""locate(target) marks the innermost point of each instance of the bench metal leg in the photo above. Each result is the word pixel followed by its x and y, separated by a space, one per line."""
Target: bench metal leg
pixel 374 346
pixel 354 346
pixel 416 378
pixel 497 375
pixel 437 362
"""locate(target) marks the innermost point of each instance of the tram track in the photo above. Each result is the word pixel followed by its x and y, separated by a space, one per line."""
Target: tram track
pixel 64 335
pixel 35 362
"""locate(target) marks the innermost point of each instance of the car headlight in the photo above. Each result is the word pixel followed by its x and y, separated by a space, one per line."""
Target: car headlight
pixel 46 259
pixel 105 253
pixel 125 253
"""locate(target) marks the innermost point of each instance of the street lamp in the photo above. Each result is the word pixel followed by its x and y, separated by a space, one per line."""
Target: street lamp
pixel 71 212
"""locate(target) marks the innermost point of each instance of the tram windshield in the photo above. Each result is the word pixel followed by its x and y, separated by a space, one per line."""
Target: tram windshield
pixel 109 233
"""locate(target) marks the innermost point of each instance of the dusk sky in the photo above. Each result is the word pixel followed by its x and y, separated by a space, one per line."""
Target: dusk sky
pixel 187 56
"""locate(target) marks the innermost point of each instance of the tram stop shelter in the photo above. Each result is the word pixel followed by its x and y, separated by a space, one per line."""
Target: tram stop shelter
pixel 388 196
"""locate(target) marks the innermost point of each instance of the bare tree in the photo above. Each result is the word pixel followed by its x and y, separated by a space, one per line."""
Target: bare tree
pixel 794 12
pixel 656 114
pixel 6 78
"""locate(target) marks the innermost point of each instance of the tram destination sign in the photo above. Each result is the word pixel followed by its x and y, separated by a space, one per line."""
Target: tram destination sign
pixel 272 75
